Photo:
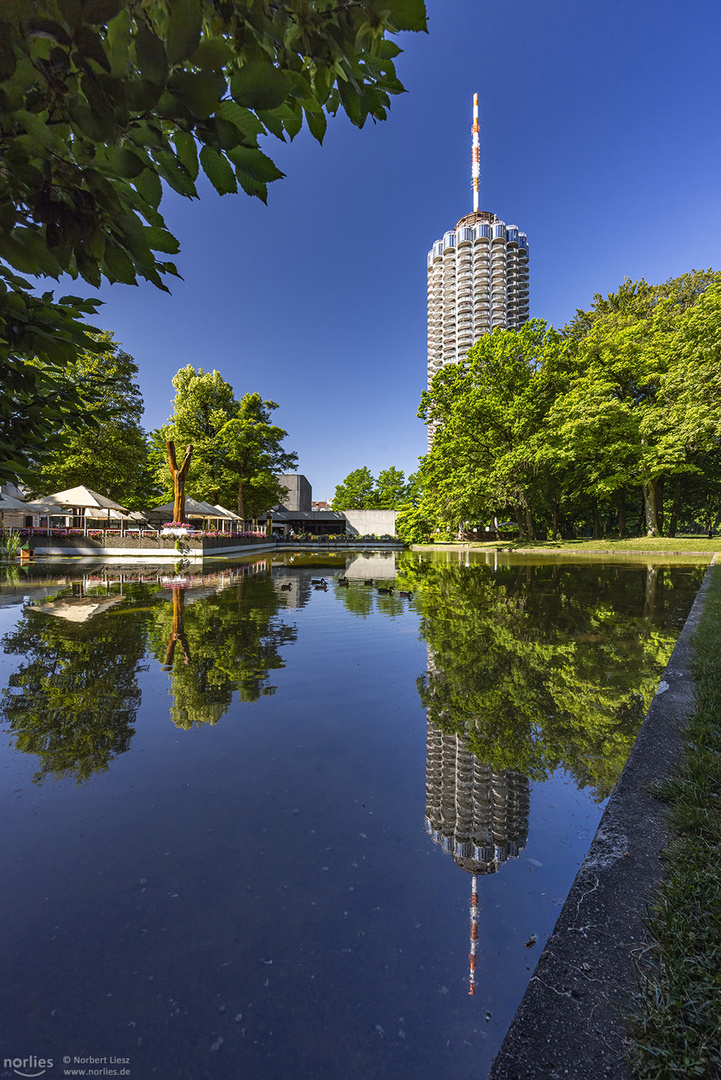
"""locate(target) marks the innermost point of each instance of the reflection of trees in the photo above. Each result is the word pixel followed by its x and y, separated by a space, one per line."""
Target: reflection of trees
pixel 362 599
pixel 547 666
pixel 74 698
pixel 229 642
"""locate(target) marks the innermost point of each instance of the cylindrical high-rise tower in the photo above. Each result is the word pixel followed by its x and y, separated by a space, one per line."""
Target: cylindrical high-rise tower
pixel 477 278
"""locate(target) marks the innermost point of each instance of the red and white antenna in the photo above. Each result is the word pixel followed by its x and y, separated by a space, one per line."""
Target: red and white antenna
pixel 475 153
pixel 474 938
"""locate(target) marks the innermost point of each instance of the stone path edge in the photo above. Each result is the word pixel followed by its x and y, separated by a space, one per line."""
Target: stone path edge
pixel 570 1023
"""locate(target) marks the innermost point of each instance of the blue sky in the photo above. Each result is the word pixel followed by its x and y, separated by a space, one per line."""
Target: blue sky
pixel 600 138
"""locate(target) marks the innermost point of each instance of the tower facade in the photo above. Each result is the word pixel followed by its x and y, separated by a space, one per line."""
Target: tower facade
pixel 477 278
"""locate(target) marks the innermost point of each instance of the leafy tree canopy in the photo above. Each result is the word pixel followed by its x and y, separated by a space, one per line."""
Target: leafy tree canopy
pixel 112 456
pixel 102 102
pixel 361 491
pixel 549 427
pixel 237 450
pixel 356 492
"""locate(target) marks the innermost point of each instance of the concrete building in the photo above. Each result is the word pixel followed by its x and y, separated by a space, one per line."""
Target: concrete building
pixel 300 493
pixel 477 278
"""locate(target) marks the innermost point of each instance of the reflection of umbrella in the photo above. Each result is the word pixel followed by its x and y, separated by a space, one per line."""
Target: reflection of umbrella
pixel 81 609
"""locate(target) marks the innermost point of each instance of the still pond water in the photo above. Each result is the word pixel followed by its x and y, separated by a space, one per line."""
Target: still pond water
pixel 244 814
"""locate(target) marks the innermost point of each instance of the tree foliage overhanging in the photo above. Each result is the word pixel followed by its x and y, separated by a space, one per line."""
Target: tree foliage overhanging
pixel 105 101
pixel 618 415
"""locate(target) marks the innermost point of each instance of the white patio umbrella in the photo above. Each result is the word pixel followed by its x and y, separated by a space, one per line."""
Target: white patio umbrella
pixel 10 505
pixel 85 498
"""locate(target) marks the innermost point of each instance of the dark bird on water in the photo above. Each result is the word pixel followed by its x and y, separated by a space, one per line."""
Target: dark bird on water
pixel 388 591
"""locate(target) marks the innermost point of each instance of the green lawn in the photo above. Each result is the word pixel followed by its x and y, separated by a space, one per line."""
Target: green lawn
pixel 679 544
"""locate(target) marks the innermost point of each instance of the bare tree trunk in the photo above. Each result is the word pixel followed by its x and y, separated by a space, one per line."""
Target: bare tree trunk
pixel 651 514
pixel 241 501
pixel 529 524
pixel 596 529
pixel 554 518
pixel 659 504
pixel 649 607
pixel 179 476
pixel 676 506
pixel 177 633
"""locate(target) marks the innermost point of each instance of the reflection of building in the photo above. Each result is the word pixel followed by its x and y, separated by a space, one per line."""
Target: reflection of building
pixel 478 815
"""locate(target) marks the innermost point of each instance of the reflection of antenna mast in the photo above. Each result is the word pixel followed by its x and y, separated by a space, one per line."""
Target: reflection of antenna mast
pixel 474 937
pixel 475 153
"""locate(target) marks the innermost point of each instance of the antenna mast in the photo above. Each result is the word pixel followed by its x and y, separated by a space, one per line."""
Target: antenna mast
pixel 474 938
pixel 475 153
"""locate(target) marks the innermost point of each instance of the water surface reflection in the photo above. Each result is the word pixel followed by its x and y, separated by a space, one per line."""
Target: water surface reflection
pixel 230 876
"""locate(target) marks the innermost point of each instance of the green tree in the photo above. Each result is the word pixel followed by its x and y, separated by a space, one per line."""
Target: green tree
pixel 40 402
pixel 392 489
pixel 486 413
pixel 101 103
pixel 112 457
pixel 255 457
pixel 636 411
pixel 237 450
pixel 356 492
pixel 204 402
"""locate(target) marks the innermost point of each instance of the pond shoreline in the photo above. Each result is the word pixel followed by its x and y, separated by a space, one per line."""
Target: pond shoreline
pixel 571 1021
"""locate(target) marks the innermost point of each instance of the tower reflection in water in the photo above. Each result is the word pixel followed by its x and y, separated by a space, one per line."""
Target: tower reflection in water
pixel 479 816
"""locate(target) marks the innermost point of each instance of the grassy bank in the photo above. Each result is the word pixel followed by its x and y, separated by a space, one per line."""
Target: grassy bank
pixel 678 1030
pixel 680 544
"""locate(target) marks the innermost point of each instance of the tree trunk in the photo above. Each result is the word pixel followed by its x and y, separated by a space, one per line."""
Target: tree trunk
pixel 177 633
pixel 622 515
pixel 554 518
pixel 676 506
pixel 179 476
pixel 596 529
pixel 652 581
pixel 659 504
pixel 519 521
pixel 649 502
pixel 241 502
pixel 529 524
